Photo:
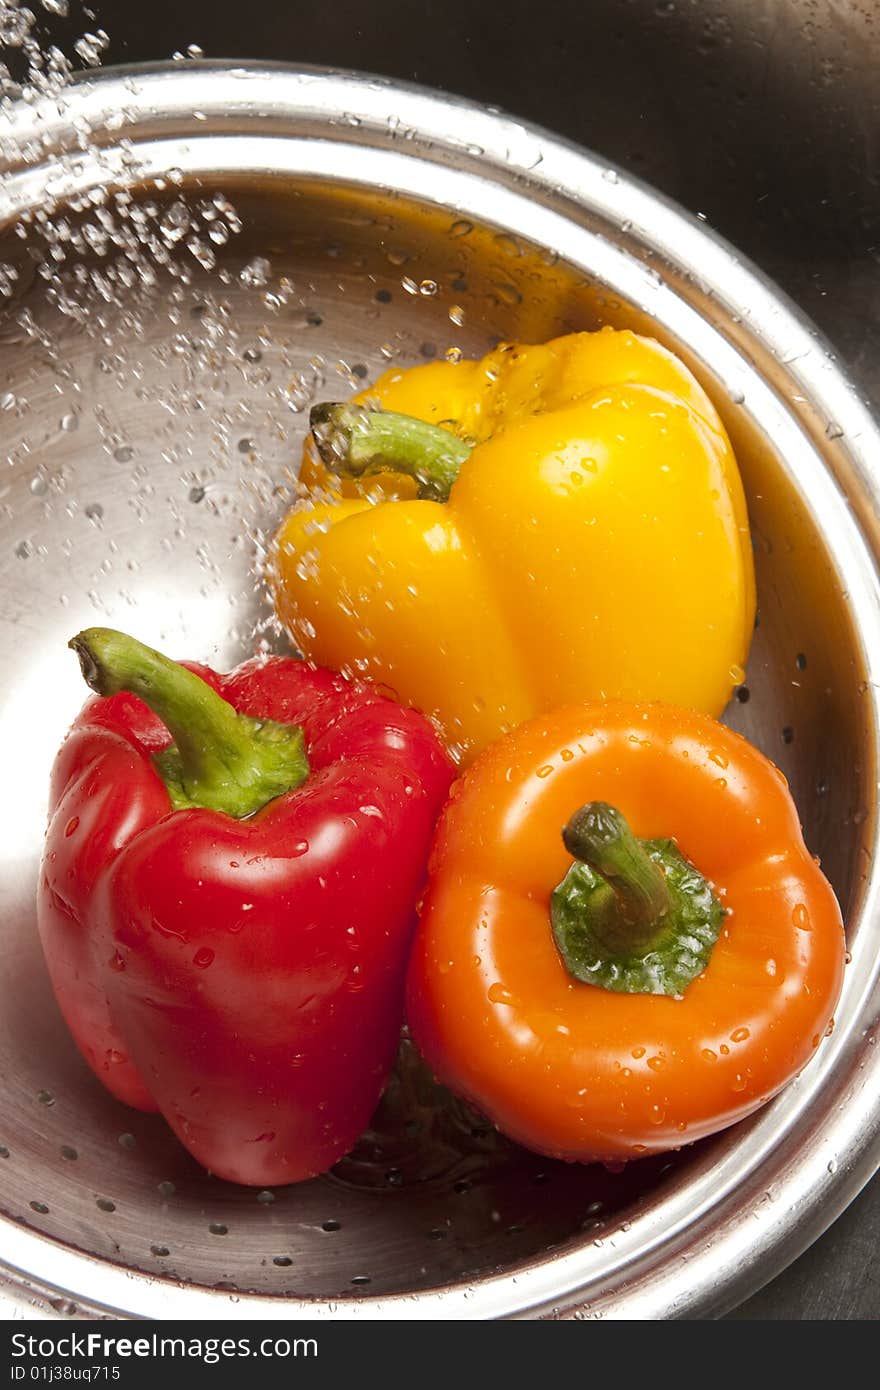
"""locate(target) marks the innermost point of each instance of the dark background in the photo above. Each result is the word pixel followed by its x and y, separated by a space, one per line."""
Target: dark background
pixel 764 115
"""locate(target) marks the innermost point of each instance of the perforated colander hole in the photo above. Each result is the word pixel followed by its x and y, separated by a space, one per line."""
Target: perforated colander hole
pixel 104 1204
pixel 282 1261
pixel 437 1233
pixel 331 1225
pixel 218 1228
pixel 45 1097
pixel 361 1279
pixel 160 1251
pixel 463 1185
pixel 127 1141
pixel 743 694
pixel 69 1152
pixel 4 1152
pixel 166 1189
pixel 39 1207
pixel 265 1198
pixel 800 661
pixel 787 734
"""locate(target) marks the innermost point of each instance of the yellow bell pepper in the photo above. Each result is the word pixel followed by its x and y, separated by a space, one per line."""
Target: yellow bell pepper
pixel 594 543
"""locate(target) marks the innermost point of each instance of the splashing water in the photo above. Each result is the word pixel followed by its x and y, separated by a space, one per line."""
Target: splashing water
pixel 157 378
pixel 117 295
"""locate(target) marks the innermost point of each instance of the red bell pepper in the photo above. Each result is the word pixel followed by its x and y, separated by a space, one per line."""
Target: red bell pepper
pixel 227 897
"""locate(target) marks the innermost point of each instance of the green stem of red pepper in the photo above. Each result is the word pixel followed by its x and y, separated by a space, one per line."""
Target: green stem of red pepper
pixel 631 915
pixel 219 759
pixel 355 442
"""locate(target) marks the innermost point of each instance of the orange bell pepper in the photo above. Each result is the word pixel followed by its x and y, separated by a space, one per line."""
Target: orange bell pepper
pixel 652 994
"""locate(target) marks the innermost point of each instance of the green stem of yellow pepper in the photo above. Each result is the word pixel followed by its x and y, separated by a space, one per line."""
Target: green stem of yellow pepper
pixel 355 442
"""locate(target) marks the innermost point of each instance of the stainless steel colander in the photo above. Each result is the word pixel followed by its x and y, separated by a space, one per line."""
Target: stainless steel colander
pixel 152 431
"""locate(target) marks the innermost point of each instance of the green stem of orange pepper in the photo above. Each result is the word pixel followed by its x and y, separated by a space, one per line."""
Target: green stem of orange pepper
pixel 631 915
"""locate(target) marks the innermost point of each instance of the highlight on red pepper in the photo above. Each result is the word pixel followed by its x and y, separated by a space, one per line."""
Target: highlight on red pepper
pixel 625 945
pixel 227 893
